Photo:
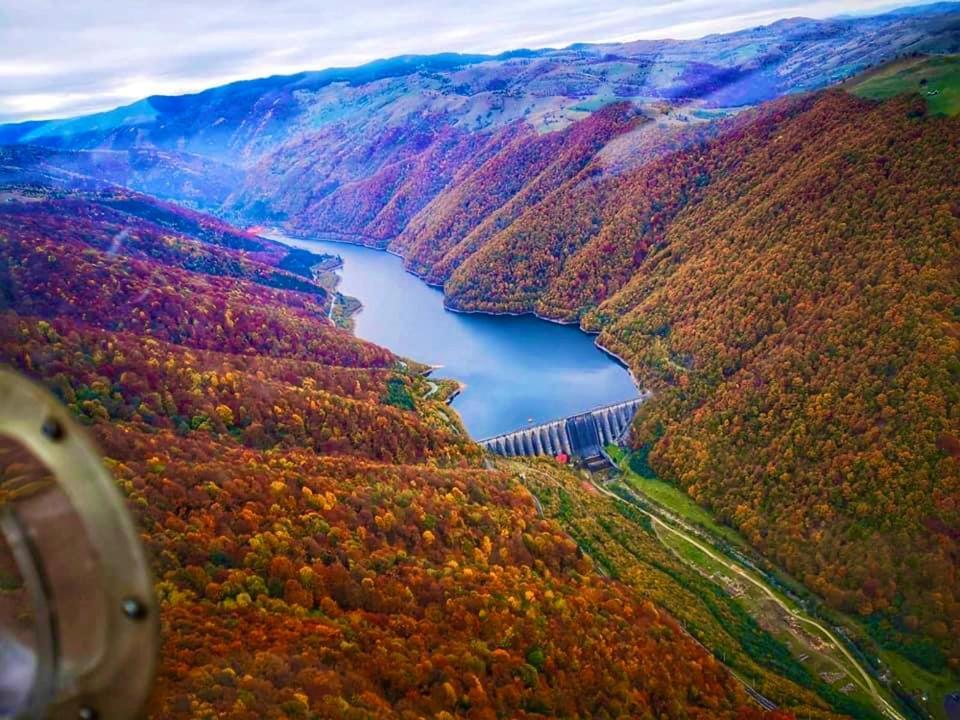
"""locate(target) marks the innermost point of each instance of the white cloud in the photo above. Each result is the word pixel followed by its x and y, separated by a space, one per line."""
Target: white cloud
pixel 59 57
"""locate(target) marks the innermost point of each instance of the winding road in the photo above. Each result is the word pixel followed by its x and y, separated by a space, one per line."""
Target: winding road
pixel 868 682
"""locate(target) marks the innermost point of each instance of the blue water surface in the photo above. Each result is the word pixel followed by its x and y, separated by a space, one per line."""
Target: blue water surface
pixel 516 369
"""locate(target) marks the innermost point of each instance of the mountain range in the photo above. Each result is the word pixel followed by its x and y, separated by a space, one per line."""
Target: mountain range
pixel 764 225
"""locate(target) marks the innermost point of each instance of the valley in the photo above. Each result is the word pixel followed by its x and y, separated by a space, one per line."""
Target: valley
pixel 783 641
pixel 324 536
pixel 513 370
pixel 824 660
pixel 287 309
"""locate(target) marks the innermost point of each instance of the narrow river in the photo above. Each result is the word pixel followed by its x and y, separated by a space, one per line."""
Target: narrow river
pixel 516 369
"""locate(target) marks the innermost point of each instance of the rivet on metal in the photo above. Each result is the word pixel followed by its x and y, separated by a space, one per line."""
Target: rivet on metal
pixel 134 609
pixel 53 429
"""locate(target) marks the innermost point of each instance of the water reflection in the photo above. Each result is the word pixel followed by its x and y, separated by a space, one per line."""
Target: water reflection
pixel 515 368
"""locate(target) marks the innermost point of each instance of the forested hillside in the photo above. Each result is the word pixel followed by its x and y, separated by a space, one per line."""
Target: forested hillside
pixel 363 150
pixel 520 175
pixel 785 279
pixel 800 319
pixel 326 541
pixel 789 285
pixel 779 263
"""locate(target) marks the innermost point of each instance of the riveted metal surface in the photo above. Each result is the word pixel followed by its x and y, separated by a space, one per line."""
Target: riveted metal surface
pixel 115 681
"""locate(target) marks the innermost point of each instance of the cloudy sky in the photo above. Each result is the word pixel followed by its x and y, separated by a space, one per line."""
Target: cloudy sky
pixel 67 57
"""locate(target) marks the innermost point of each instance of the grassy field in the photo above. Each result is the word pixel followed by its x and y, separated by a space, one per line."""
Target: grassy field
pixel 914 679
pixel 812 648
pixel 624 544
pixel 673 499
pixel 936 79
pixel 344 308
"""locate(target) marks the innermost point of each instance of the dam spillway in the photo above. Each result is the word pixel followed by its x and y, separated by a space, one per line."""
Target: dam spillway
pixel 582 436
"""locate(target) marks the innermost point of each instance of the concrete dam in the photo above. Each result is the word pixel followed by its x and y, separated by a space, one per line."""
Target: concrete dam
pixel 582 436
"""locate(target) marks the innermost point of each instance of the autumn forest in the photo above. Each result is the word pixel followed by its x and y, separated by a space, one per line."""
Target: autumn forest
pixel 781 271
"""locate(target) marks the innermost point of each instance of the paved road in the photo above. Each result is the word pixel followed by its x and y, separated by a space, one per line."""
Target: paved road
pixel 762 701
pixel 869 684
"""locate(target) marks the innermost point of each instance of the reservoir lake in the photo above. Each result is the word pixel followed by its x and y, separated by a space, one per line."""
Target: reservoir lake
pixel 517 369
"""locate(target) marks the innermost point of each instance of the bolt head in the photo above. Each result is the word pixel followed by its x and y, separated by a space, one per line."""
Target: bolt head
pixel 134 609
pixel 53 429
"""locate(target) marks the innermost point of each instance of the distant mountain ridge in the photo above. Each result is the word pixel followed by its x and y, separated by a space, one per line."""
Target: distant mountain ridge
pixel 245 119
pixel 936 7
pixel 190 180
pixel 776 258
pixel 362 151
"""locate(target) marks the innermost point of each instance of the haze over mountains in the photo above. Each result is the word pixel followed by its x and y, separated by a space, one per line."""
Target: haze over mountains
pixel 773 253
pixel 383 151
pixel 548 88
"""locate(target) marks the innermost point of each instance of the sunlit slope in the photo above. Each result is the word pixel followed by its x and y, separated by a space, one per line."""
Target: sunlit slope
pixel 800 320
pixel 327 542
pixel 936 79
pixel 787 281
